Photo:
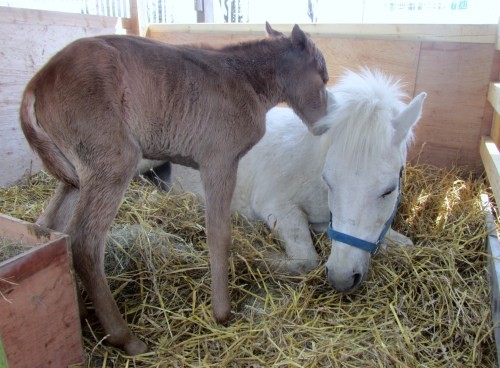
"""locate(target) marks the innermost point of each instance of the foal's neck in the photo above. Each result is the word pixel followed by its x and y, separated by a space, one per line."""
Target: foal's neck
pixel 258 63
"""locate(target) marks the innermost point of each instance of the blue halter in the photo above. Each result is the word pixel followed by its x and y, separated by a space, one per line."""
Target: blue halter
pixel 367 246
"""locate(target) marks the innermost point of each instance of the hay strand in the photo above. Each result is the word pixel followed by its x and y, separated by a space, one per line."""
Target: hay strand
pixel 426 305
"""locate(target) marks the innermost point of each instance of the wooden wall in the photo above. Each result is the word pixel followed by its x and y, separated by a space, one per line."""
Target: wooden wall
pixel 452 63
pixel 28 38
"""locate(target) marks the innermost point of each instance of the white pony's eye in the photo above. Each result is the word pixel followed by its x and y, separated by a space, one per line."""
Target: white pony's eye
pixel 388 192
pixel 326 182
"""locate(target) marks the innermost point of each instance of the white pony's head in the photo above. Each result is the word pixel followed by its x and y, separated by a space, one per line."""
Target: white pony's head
pixel 370 129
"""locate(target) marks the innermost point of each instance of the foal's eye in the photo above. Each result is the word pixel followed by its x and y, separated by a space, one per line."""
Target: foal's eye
pixel 388 192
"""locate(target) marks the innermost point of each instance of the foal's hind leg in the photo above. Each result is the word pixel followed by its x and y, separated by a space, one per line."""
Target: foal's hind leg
pixel 56 217
pixel 58 212
pixel 219 182
pixel 99 200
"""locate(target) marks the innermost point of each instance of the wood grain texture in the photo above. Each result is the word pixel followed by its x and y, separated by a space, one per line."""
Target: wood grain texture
pixel 40 324
pixel 490 156
pixel 470 33
pixel 455 77
pixel 29 38
pixel 493 246
pixel 494 96
pixel 495 129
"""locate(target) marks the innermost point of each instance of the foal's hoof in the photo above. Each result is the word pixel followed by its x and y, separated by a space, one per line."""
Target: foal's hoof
pixel 135 346
pixel 222 316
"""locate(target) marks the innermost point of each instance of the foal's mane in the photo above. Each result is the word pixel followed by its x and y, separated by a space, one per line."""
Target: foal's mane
pixel 360 125
pixel 261 44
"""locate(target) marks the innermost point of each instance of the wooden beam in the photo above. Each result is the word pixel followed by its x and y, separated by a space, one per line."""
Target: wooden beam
pixel 495 129
pixel 493 267
pixel 23 17
pixel 494 96
pixel 498 34
pixel 483 33
pixel 137 22
pixel 491 161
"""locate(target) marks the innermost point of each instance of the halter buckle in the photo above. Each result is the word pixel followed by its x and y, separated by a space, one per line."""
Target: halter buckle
pixel 377 248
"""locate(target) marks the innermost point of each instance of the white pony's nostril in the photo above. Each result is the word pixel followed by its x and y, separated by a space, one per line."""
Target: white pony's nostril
pixel 326 271
pixel 356 279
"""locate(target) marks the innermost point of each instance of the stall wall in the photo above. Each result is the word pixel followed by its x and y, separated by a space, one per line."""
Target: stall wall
pixel 452 63
pixel 28 38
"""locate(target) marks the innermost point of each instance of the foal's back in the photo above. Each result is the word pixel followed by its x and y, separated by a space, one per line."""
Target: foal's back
pixel 156 93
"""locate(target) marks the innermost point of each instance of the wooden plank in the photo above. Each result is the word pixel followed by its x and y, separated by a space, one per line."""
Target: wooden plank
pixel 455 77
pixel 475 33
pixel 494 96
pixel 498 39
pixel 40 324
pixel 491 161
pixel 19 16
pixel 26 232
pixel 493 246
pixel 495 129
pixel 29 38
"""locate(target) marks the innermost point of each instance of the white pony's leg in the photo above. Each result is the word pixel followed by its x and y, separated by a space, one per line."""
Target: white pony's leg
pixel 395 238
pixel 292 229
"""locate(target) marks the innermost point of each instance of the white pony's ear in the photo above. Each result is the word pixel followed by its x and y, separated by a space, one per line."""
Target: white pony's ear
pixel 407 118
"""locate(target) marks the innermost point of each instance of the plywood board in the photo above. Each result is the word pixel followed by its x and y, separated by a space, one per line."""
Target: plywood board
pixel 456 78
pixel 455 74
pixel 491 160
pixel 470 33
pixel 494 96
pixel 29 38
pixel 40 324
pixel 493 246
pixel 495 129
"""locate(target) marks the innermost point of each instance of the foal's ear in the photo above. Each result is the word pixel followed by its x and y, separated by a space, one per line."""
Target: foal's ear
pixel 271 32
pixel 408 118
pixel 301 40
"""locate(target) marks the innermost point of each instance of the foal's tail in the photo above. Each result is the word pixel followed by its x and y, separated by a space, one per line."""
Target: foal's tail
pixel 54 160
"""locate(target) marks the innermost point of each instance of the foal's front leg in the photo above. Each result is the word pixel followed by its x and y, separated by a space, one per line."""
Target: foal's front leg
pixel 219 182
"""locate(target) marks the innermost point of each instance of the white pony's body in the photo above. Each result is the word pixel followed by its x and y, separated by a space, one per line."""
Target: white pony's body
pixel 359 158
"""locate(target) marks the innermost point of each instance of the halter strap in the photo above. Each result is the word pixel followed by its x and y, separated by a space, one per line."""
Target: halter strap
pixel 367 246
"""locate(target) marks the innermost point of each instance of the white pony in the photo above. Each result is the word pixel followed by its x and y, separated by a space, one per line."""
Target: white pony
pixel 349 177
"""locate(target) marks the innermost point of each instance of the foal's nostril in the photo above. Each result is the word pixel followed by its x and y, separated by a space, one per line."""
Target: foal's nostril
pixel 326 271
pixel 356 279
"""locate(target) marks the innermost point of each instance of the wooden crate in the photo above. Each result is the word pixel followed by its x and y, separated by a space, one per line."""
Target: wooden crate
pixel 39 324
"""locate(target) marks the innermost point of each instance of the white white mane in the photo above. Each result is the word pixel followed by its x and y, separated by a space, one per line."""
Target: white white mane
pixel 360 125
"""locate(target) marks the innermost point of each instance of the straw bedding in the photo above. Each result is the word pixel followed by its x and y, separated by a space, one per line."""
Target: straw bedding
pixel 426 305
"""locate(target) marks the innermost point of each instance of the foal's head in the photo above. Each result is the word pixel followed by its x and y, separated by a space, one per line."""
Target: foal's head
pixel 302 75
pixel 370 130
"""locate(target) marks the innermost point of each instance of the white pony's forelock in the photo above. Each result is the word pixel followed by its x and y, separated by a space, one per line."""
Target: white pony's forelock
pixel 366 103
